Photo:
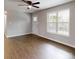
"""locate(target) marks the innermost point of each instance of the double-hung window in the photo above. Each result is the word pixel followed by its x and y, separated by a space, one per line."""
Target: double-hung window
pixel 58 22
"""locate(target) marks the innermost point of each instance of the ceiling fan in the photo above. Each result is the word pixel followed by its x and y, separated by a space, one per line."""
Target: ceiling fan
pixel 30 4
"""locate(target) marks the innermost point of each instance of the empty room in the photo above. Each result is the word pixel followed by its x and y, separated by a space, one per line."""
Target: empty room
pixel 39 29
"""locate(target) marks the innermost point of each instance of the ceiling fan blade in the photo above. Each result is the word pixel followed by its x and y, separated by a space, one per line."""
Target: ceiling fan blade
pixel 36 3
pixel 36 6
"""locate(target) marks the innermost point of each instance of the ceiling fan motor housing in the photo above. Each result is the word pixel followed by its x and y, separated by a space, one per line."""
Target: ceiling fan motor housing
pixel 29 2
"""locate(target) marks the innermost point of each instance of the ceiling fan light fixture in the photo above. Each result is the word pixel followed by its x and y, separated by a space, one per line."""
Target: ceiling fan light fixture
pixel 29 7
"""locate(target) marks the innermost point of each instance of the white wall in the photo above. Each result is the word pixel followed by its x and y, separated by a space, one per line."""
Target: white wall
pixel 39 28
pixel 18 23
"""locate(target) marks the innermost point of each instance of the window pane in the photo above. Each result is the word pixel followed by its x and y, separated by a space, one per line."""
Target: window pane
pixel 51 27
pixel 52 17
pixel 63 15
pixel 63 28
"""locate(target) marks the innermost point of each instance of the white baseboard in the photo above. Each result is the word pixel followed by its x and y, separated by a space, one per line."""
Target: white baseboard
pixel 18 35
pixel 55 40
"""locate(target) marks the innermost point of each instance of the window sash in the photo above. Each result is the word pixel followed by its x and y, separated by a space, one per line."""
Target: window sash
pixel 51 27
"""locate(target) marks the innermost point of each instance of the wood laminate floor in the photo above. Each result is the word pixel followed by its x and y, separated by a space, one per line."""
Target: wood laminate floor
pixel 34 47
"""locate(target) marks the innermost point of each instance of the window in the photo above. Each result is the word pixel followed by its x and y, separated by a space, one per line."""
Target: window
pixel 58 22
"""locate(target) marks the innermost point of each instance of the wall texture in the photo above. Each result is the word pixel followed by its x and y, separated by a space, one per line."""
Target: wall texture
pixel 39 27
pixel 18 23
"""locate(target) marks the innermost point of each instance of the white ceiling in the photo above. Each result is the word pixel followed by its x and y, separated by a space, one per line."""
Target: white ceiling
pixel 13 5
